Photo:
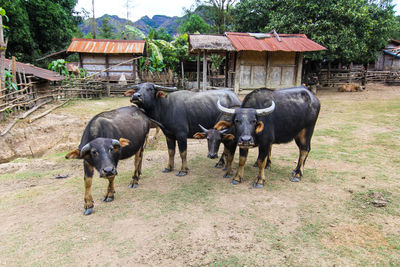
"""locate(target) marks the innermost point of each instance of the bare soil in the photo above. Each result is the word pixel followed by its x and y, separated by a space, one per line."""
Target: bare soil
pixel 201 219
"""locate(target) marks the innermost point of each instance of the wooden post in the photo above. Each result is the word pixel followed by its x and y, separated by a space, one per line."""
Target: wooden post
pixel 183 76
pixel 226 68
pixel 14 70
pixel 198 71
pixel 134 70
pixel 2 56
pixel 204 70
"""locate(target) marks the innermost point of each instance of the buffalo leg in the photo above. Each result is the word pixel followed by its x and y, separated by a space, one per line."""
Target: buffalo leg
pixel 222 161
pixel 182 144
pixel 138 169
pixel 242 160
pixel 230 154
pixel 268 164
pixel 303 140
pixel 109 196
pixel 171 153
pixel 261 162
pixel 88 206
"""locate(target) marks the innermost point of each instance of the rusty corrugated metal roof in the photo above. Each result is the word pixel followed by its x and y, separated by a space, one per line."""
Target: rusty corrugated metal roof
pixel 269 42
pixel 100 46
pixel 29 69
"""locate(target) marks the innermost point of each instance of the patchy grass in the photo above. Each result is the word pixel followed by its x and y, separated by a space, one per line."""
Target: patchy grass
pixel 332 217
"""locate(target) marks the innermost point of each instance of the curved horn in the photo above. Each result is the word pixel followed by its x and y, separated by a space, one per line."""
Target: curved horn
pixel 266 111
pixel 115 142
pixel 203 129
pixel 165 88
pixel 223 131
pixel 228 111
pixel 84 150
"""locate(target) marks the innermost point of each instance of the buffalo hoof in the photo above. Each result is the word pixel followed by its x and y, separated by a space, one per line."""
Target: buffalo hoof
pixel 219 166
pixel 133 186
pixel 234 182
pixel 88 211
pixel 267 167
pixel 167 170
pixel 227 175
pixel 107 199
pixel 255 165
pixel 295 179
pixel 225 168
pixel 181 173
pixel 255 185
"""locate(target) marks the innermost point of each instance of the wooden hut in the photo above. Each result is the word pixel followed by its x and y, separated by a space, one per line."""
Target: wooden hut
pixel 389 58
pixel 40 79
pixel 260 59
pixel 105 57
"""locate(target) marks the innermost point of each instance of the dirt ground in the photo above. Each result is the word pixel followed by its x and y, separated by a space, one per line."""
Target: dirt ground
pixel 344 212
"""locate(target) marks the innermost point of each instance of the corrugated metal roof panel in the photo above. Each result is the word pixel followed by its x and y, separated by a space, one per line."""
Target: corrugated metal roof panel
pixel 288 43
pixel 29 69
pixel 100 46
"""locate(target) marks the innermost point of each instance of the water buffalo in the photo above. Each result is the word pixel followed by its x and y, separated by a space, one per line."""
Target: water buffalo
pixel 269 117
pixel 109 137
pixel 180 113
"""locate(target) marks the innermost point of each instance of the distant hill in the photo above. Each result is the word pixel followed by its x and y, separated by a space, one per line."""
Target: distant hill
pixel 145 24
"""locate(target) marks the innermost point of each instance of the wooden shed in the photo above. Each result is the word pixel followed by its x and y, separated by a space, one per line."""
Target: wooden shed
pixel 105 57
pixel 389 58
pixel 261 59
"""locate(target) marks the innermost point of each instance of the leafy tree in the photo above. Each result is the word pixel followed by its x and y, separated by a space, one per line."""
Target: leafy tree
pixel 38 27
pixel 106 30
pixel 60 66
pixel 219 13
pixel 253 15
pixel 162 34
pixel 352 30
pixel 194 23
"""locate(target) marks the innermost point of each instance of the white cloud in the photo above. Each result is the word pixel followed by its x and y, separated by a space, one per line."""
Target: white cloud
pixel 139 8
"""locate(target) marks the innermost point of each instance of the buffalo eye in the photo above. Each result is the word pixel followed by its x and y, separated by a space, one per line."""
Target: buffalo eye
pixel 237 121
pixel 95 153
pixel 254 121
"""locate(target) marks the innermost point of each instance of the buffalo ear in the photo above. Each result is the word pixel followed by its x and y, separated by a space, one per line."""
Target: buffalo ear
pixel 259 127
pixel 161 94
pixel 228 137
pixel 222 125
pixel 74 154
pixel 199 135
pixel 124 142
pixel 130 92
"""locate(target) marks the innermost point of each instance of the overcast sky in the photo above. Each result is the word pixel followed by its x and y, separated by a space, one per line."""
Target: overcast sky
pixel 140 8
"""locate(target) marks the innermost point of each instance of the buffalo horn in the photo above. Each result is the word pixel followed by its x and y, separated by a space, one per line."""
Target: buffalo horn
pixel 84 150
pixel 266 111
pixel 228 111
pixel 223 131
pixel 115 142
pixel 165 88
pixel 203 129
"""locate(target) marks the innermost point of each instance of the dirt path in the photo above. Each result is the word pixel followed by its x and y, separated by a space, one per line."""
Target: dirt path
pixel 201 219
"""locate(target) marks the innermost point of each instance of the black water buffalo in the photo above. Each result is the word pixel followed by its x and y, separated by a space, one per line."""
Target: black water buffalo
pixel 269 117
pixel 180 113
pixel 214 139
pixel 109 137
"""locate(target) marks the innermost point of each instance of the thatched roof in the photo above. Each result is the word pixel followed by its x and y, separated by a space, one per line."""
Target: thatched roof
pixel 211 43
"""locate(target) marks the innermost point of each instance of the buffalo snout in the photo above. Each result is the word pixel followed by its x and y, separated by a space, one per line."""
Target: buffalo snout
pixel 136 97
pixel 212 155
pixel 108 171
pixel 246 140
